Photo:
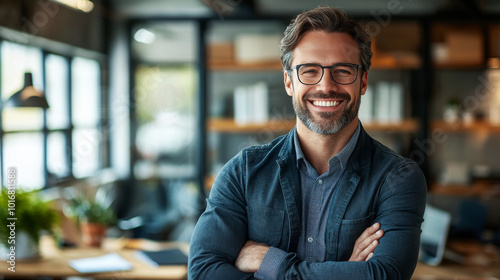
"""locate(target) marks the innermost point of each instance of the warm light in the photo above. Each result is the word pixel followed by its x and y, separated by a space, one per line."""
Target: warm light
pixel 81 5
pixel 494 63
pixel 144 36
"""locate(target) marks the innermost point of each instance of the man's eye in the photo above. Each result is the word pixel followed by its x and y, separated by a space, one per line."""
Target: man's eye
pixel 310 72
pixel 343 72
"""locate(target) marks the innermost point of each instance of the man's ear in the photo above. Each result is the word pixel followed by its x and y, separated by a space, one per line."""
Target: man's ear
pixel 288 83
pixel 364 83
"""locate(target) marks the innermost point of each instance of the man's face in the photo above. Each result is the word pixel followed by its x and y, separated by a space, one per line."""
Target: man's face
pixel 341 101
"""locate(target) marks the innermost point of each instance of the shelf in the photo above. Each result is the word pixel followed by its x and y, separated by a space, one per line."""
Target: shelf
pixel 457 46
pixel 483 187
pixel 408 61
pixel 404 126
pixel 476 126
pixel 230 126
pixel 458 66
pixel 379 63
pixel 222 65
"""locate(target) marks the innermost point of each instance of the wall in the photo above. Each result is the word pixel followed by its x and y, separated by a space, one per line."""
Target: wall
pixel 47 19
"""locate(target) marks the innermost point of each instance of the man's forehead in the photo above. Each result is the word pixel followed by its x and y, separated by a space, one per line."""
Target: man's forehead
pixel 320 42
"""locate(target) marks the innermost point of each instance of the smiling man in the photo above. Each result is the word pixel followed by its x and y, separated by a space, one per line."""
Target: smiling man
pixel 325 201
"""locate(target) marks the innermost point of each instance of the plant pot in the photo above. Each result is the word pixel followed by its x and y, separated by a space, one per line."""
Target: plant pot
pixel 93 234
pixel 24 248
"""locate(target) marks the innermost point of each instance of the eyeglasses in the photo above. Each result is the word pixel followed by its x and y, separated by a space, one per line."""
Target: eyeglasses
pixel 341 73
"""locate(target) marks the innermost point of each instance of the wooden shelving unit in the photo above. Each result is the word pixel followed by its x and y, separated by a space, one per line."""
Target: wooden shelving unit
pixel 406 61
pixel 386 62
pixel 230 126
pixel 404 126
pixel 483 187
pixel 462 127
pixel 222 65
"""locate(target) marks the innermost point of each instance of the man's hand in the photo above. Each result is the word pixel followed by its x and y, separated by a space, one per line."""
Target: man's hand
pixel 251 256
pixel 252 253
pixel 366 243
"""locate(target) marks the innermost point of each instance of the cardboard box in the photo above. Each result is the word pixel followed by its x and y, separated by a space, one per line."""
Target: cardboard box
pixel 464 47
pixel 220 52
pixel 251 48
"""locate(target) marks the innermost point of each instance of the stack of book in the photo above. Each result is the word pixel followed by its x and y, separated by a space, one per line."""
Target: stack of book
pixel 251 104
pixel 384 103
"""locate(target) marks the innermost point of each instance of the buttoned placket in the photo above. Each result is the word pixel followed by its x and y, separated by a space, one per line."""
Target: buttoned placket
pixel 315 203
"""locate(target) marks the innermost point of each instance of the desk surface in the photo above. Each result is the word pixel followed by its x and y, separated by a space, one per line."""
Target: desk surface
pixel 456 271
pixel 55 262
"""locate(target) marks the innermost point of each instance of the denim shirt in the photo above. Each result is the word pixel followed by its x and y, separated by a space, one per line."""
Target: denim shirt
pixel 257 196
pixel 317 191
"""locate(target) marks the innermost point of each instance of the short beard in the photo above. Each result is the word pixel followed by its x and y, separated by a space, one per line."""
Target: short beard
pixel 332 127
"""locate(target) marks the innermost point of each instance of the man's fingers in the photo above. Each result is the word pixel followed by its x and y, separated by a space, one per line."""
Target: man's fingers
pixel 369 256
pixel 369 231
pixel 365 245
pixel 369 239
pixel 365 254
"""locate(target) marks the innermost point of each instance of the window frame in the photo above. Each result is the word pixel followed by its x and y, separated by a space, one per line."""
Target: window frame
pixel 69 128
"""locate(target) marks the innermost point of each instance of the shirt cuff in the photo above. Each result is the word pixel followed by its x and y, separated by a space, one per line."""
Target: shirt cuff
pixel 270 264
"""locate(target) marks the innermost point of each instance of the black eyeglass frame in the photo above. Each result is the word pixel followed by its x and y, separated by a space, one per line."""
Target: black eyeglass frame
pixel 296 67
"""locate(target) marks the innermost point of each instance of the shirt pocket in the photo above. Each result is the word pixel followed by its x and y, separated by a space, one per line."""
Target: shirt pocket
pixel 350 230
pixel 265 225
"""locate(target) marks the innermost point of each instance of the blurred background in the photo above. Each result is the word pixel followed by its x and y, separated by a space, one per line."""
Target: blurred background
pixel 150 98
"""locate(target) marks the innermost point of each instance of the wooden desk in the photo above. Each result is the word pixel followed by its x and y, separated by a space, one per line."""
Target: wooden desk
pixel 54 262
pixel 455 271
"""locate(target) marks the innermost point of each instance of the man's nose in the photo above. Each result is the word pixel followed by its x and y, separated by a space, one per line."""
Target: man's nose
pixel 327 83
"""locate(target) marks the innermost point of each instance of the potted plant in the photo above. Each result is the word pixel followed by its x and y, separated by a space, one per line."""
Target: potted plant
pixel 26 216
pixel 93 216
pixel 452 110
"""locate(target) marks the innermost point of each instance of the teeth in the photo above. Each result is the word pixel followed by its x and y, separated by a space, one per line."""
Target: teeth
pixel 326 103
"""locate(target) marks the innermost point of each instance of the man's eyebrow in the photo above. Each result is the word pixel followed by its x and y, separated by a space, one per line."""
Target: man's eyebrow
pixel 322 64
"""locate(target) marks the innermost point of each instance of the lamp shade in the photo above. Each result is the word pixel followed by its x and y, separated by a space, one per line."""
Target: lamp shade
pixel 28 96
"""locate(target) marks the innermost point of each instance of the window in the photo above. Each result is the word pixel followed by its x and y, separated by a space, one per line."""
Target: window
pixel 86 115
pixel 166 83
pixel 22 143
pixel 62 141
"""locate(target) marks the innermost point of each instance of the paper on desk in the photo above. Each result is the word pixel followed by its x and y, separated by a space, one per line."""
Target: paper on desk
pixel 106 263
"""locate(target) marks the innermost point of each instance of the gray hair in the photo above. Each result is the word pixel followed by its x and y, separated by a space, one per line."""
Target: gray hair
pixel 329 20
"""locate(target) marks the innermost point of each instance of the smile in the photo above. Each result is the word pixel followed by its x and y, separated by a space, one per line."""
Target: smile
pixel 321 103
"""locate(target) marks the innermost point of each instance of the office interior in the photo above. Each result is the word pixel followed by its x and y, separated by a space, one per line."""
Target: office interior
pixel 148 99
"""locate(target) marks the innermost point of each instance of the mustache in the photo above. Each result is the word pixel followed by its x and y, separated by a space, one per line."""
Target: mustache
pixel 322 95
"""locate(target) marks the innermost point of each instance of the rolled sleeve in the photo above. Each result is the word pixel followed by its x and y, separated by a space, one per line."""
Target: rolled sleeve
pixel 270 264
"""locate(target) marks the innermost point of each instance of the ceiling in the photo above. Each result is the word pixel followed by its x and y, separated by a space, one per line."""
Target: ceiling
pixel 174 41
pixel 221 8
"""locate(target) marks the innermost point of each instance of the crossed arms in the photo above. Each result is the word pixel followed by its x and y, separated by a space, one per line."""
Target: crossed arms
pixel 221 246
pixel 252 254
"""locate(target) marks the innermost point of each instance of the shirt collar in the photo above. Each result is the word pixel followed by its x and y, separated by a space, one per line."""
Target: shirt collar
pixel 342 157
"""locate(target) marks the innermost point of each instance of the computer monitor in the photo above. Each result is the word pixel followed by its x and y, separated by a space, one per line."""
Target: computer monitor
pixel 434 235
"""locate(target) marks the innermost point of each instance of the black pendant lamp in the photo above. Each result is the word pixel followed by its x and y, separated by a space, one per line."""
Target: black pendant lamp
pixel 28 96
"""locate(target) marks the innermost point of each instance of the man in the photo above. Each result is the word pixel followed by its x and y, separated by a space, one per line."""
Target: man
pixel 302 206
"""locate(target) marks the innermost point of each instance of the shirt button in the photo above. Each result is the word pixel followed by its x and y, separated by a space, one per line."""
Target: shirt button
pixel 310 239
pixel 320 181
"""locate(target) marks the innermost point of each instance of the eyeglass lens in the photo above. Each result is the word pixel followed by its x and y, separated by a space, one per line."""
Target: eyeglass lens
pixel 341 73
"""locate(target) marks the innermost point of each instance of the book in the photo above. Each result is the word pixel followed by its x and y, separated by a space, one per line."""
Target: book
pixel 163 257
pixel 366 107
pixel 251 104
pixel 241 100
pixel 260 103
pixel 396 99
pixel 383 102
pixel 107 263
